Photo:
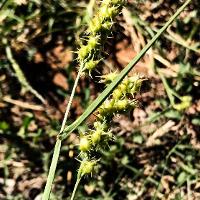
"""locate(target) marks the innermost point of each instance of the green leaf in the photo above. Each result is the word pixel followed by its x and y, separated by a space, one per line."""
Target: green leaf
pixel 4 126
pixel 125 160
pixel 182 178
pixel 153 116
pixel 173 114
pixel 196 121
pixel 137 138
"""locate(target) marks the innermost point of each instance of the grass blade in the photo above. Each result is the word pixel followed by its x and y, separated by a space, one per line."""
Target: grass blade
pixel 52 170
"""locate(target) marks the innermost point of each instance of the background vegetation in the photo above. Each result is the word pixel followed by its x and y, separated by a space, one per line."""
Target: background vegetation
pixel 156 151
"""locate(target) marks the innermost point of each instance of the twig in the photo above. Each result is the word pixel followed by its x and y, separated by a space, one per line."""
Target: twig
pixel 159 133
pixel 23 104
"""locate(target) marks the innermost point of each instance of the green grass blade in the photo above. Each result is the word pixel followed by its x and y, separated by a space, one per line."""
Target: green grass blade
pixel 52 170
pixel 183 43
pixel 121 76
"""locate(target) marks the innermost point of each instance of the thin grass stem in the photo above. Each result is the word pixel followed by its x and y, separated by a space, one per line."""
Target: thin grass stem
pixel 52 170
pixel 167 88
pixel 75 187
pixel 57 148
pixel 71 98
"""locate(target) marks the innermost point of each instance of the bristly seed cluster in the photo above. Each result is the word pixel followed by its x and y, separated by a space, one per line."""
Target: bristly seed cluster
pixel 96 139
pixel 122 98
pixel 98 30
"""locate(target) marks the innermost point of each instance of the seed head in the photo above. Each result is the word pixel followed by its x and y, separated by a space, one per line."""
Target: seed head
pixel 90 50
pixel 107 78
pixel 95 25
pixel 93 42
pixel 107 12
pixel 86 167
pixel 117 94
pixel 121 105
pixel 84 144
pixel 91 64
pixel 117 2
pixel 96 137
pixel 100 126
pixel 83 52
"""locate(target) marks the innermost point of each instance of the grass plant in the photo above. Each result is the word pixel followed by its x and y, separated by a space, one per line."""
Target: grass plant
pixel 85 53
pixel 70 109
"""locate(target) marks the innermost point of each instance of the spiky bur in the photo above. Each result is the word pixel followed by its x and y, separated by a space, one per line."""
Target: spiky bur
pixel 89 54
pixel 98 30
pixel 84 144
pixel 86 167
pixel 97 138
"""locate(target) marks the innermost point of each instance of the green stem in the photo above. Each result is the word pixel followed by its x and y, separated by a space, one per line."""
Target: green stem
pixel 52 170
pixel 183 43
pixel 75 188
pixel 3 4
pixel 71 98
pixel 167 88
pixel 57 148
